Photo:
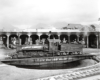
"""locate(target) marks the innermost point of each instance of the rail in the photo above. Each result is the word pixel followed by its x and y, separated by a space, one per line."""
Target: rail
pixel 78 73
pixel 74 75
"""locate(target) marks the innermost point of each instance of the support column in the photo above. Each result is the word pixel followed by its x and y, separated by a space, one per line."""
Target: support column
pixel 83 40
pixel 59 36
pixel 39 34
pixel 49 36
pixel 97 41
pixel 8 41
pixel 39 37
pixel 19 40
pixel 87 41
pixel 38 41
pixel 29 39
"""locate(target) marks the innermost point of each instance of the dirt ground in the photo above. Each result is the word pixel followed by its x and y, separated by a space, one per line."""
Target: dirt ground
pixel 8 72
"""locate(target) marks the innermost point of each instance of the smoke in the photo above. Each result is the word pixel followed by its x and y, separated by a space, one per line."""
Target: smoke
pixel 2 55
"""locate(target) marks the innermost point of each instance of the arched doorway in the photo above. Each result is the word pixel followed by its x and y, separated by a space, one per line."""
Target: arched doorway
pixel 24 39
pixel 34 38
pixel 54 36
pixel 13 40
pixel 81 37
pixel 3 38
pixel 44 36
pixel 82 40
pixel 44 39
pixel 73 38
pixel 92 41
pixel 64 37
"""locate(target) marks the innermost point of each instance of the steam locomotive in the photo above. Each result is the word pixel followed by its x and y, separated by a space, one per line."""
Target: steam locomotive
pixel 39 54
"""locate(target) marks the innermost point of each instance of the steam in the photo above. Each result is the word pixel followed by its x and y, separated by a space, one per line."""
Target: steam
pixel 2 55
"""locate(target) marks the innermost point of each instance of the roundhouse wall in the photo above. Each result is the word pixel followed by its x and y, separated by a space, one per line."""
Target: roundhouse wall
pixel 78 34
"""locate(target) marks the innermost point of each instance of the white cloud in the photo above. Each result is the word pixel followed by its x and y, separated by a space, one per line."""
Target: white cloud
pixel 23 13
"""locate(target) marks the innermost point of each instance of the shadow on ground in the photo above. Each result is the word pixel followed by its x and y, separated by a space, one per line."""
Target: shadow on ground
pixel 53 66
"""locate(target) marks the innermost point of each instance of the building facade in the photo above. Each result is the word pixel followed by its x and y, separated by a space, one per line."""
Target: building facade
pixel 30 36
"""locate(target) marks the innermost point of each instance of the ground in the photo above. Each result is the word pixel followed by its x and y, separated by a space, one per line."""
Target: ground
pixel 8 72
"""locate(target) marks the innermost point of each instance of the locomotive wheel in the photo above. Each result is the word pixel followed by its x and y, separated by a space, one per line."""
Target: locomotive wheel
pixel 67 53
pixel 78 52
pixel 15 56
pixel 64 53
pixel 58 54
pixel 70 53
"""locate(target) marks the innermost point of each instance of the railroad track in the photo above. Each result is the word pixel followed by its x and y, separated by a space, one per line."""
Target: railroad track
pixel 76 74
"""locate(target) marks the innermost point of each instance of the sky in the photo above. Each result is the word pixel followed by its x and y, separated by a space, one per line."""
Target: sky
pixel 48 13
